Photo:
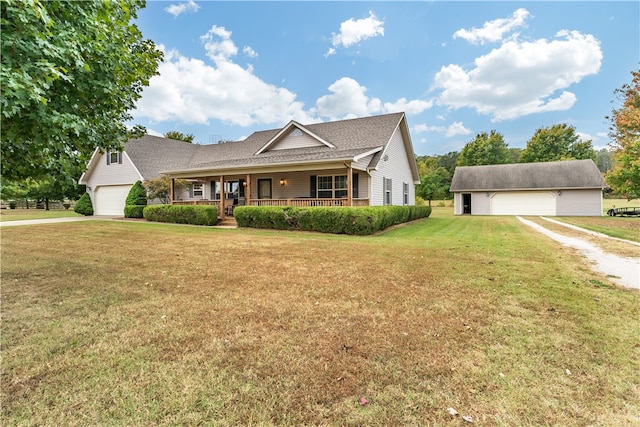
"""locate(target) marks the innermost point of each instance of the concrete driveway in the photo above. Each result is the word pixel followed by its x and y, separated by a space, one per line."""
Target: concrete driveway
pixel 621 270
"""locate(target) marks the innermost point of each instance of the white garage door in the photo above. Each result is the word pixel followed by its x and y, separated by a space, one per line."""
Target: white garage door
pixel 524 203
pixel 110 199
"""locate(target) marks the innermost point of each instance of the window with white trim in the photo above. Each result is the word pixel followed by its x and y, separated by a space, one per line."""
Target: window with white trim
pixel 387 191
pixel 114 158
pixel 332 186
pixel 405 193
pixel 198 189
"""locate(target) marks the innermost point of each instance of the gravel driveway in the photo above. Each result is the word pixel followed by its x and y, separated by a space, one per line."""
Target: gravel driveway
pixel 618 269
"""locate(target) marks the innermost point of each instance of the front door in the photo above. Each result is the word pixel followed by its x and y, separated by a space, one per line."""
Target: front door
pixel 466 203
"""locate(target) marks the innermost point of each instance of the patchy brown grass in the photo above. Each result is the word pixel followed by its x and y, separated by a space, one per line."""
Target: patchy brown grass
pixel 117 323
pixel 627 228
pixel 606 244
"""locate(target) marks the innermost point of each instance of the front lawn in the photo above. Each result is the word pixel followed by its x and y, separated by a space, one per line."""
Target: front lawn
pixel 24 214
pixel 123 323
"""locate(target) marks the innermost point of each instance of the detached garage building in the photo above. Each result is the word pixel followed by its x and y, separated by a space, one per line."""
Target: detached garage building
pixel 563 188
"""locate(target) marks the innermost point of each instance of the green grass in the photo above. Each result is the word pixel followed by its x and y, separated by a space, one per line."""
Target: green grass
pixel 147 324
pixel 26 214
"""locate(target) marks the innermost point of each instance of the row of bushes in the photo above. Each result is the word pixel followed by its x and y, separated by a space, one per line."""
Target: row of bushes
pixel 337 220
pixel 181 214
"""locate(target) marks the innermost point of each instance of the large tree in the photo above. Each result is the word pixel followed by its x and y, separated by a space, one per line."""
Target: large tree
pixel 485 149
pixel 71 74
pixel 624 179
pixel 558 142
pixel 434 184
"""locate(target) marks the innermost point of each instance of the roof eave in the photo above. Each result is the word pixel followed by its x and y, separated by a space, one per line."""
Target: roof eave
pixel 250 168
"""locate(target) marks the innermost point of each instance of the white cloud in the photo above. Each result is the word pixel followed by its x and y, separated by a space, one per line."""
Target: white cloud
pixel 349 100
pixel 522 78
pixel 353 31
pixel 218 44
pixel 178 9
pixel 454 129
pixel 248 50
pixel 191 91
pixel 493 31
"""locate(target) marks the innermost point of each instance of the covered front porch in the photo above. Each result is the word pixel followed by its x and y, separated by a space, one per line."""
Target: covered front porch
pixel 334 187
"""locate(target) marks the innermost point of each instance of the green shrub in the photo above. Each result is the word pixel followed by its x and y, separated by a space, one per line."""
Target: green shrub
pixel 134 211
pixel 66 205
pixel 182 214
pixel 337 220
pixel 137 195
pixel 84 205
pixel 12 204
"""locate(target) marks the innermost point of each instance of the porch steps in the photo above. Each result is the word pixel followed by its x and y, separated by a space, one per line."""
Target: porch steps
pixel 228 221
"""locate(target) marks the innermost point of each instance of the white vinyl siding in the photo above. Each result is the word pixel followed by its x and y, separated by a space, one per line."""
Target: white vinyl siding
pixel 298 183
pixel 579 203
pixel 396 167
pixel 113 174
pixel 295 139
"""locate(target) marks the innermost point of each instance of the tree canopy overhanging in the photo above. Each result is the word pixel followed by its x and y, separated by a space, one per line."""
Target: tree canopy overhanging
pixel 71 74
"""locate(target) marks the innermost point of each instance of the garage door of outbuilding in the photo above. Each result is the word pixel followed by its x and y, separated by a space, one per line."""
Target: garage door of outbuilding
pixel 110 199
pixel 524 203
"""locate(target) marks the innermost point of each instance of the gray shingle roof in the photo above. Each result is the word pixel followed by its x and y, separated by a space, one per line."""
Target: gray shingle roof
pixel 152 154
pixel 528 176
pixel 351 137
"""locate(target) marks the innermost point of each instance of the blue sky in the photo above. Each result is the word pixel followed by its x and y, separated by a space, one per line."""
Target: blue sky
pixel 455 68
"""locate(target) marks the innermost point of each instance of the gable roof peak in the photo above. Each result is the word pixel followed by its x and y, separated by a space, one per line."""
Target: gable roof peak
pixel 286 130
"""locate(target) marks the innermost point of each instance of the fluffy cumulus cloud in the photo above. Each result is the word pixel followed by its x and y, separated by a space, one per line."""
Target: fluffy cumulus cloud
pixel 192 91
pixel 178 9
pixel 493 31
pixel 349 99
pixel 353 31
pixel 520 78
pixel 195 91
pixel 454 129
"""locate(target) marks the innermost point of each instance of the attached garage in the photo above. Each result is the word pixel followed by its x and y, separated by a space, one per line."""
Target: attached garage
pixel 564 188
pixel 110 199
pixel 523 203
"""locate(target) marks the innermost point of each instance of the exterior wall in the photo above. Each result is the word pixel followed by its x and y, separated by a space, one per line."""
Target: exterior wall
pixel 397 168
pixel 579 203
pixel 299 141
pixel 568 203
pixel 297 184
pixel 112 174
pixel 480 203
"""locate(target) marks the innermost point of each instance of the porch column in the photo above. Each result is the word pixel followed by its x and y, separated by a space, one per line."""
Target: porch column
pixel 349 185
pixel 222 197
pixel 247 191
pixel 172 189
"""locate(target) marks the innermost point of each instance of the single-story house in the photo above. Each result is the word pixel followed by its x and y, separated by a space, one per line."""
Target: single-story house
pixel 561 188
pixel 356 162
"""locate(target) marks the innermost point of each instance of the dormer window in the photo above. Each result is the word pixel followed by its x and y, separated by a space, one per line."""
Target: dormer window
pixel 114 158
pixel 296 132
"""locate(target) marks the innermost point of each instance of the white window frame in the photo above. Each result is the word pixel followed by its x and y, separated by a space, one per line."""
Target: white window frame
pixel 111 155
pixel 334 190
pixel 387 191
pixel 405 193
pixel 198 190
